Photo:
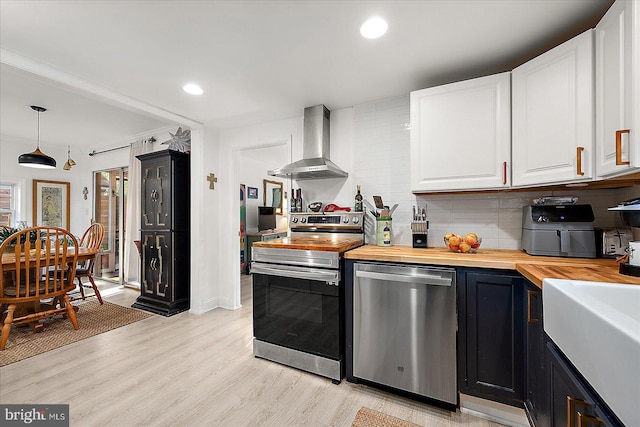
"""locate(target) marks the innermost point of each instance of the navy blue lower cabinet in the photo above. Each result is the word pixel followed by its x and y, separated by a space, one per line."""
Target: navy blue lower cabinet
pixel 491 335
pixel 570 396
pixel 536 389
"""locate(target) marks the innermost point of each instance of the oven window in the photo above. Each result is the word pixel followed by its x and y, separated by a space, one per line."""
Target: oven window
pixel 298 313
pixel 294 306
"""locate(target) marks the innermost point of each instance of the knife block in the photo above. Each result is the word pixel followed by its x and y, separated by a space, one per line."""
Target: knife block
pixel 419 240
pixel 419 233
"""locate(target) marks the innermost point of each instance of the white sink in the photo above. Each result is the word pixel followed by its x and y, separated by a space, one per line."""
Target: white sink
pixel 597 326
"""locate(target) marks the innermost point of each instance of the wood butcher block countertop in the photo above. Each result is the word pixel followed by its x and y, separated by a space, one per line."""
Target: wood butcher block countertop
pixel 534 268
pixel 313 242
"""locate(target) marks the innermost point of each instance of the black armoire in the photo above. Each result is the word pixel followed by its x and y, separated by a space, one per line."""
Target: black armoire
pixel 165 245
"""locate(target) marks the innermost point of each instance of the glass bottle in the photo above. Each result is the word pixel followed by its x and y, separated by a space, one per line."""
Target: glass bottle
pixel 358 205
pixel 293 200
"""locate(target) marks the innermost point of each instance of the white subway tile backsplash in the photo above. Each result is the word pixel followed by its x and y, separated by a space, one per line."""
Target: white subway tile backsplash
pixel 391 103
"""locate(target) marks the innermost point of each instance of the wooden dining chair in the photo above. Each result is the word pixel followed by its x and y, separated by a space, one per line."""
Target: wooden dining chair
pixel 42 266
pixel 91 239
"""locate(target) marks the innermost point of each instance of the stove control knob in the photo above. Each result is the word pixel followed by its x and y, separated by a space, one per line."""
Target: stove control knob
pixel 294 220
pixel 303 219
pixel 356 220
pixel 345 219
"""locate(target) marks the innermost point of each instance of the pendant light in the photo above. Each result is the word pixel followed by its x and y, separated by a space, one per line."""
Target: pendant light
pixel 37 159
pixel 70 162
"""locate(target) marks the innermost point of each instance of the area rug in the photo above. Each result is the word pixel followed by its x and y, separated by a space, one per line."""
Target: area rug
pixel 369 418
pixel 93 319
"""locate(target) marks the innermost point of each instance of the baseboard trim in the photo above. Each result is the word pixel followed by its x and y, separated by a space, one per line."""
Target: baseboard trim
pixel 493 411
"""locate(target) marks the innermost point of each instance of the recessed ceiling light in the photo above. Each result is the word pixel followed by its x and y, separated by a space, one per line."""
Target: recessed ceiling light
pixel 193 89
pixel 373 28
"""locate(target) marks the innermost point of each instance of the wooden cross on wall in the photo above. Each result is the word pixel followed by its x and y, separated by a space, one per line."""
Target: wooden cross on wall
pixel 212 180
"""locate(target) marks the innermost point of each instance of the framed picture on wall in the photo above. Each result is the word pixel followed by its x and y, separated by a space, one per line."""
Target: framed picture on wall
pixel 51 204
pixel 252 193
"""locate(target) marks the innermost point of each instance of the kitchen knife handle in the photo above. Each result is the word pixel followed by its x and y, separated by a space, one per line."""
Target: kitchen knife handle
pixel 504 173
pixel 619 147
pixel 579 151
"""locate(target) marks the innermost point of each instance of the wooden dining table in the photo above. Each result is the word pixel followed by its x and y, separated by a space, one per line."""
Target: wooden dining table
pixel 9 264
pixel 9 260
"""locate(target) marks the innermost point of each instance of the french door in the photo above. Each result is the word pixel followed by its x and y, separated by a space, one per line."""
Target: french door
pixel 110 189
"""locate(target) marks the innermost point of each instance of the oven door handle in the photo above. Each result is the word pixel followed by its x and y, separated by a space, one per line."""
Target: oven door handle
pixel 330 277
pixel 422 279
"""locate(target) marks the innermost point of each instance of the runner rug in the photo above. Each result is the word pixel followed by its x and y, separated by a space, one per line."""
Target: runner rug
pixel 369 418
pixel 93 319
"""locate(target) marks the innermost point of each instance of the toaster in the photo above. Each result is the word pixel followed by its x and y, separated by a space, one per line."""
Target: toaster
pixel 559 230
pixel 612 242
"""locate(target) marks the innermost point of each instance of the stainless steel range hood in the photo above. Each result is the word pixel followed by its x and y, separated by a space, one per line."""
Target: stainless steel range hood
pixel 315 161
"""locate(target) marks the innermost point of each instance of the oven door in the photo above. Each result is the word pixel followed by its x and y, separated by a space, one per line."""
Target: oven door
pixel 299 308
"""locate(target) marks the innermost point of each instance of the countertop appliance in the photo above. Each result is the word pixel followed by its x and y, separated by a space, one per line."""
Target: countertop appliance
pixel 404 329
pixel 612 242
pixel 558 230
pixel 298 292
pixel 630 215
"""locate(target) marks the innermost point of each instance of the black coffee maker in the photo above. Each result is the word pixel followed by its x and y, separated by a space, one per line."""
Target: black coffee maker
pixel 630 215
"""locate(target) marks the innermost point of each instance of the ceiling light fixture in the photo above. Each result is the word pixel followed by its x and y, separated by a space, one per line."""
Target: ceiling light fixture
pixel 70 162
pixel 373 28
pixel 37 159
pixel 192 89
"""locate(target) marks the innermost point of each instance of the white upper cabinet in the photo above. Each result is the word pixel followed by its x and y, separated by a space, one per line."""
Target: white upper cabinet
pixel 553 115
pixel 460 135
pixel 617 99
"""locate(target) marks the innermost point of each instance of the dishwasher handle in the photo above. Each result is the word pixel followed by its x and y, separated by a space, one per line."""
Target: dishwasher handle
pixel 420 279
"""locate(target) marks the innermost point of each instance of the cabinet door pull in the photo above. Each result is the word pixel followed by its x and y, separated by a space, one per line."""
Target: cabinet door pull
pixel 579 170
pixel 583 420
pixel 504 173
pixel 619 147
pixel 571 409
pixel 530 317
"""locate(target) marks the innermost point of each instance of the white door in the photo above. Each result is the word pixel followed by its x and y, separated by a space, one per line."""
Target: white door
pixel 614 133
pixel 460 135
pixel 552 113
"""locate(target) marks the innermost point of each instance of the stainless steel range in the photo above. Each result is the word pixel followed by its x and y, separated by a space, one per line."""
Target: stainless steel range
pixel 298 292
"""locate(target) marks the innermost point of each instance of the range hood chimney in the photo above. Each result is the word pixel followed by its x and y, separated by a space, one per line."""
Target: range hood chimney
pixel 315 163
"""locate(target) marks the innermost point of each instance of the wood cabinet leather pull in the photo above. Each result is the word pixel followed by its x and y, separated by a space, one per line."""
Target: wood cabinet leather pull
pixel 571 409
pixel 504 173
pixel 619 147
pixel 579 170
pixel 585 420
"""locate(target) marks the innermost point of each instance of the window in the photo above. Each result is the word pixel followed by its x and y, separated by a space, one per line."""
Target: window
pixel 7 204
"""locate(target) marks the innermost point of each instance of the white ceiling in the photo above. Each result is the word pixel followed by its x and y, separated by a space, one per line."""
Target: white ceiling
pixel 257 60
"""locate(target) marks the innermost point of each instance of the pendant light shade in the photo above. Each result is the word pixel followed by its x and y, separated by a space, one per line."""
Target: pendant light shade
pixel 70 162
pixel 37 159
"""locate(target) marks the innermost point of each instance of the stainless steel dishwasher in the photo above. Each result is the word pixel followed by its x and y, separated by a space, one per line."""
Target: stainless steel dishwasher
pixel 404 328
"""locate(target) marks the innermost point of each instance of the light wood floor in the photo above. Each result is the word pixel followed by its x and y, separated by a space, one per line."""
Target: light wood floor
pixel 190 370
